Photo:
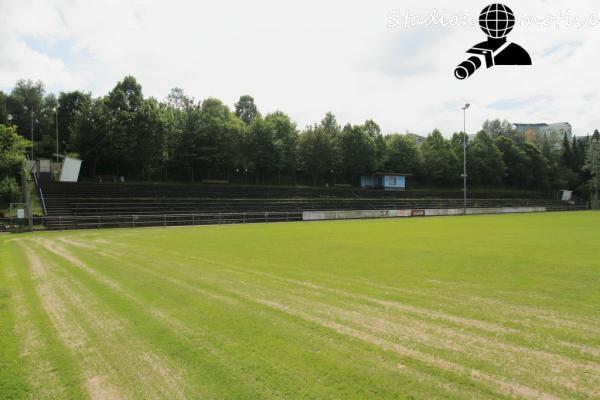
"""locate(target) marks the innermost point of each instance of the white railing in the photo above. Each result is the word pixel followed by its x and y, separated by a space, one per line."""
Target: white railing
pixel 65 222
pixel 144 220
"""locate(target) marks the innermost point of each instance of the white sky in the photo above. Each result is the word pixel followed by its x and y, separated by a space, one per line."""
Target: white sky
pixel 307 57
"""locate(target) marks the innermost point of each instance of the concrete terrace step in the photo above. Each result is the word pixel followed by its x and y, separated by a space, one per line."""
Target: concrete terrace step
pixel 148 200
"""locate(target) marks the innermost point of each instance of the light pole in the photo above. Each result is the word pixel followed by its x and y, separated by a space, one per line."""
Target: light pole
pixel 464 174
pixel 595 158
pixel 56 123
pixel 31 111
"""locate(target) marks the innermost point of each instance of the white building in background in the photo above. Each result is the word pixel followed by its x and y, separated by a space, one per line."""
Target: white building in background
pixel 554 132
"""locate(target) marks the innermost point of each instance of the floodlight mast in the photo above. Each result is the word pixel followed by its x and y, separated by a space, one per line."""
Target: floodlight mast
pixel 31 127
pixel 56 124
pixel 464 174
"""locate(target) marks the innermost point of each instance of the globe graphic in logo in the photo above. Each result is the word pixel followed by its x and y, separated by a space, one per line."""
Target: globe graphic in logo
pixel 496 20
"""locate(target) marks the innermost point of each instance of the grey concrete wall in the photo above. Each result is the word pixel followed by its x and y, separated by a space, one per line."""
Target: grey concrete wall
pixel 359 214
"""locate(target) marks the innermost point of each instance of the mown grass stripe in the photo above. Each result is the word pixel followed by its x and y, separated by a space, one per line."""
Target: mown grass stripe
pixel 257 301
pixel 292 376
pixel 471 355
pixel 433 299
pixel 121 357
pixel 202 367
pixel 431 347
pixel 58 355
pixel 13 371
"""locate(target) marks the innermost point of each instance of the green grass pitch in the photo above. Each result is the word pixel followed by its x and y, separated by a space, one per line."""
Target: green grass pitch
pixel 481 307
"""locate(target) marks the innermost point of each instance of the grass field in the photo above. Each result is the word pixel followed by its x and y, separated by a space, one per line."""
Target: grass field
pixel 452 307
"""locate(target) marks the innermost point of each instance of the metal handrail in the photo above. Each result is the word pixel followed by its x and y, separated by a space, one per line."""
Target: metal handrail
pixel 162 219
pixel 37 185
pixel 138 220
pixel 39 188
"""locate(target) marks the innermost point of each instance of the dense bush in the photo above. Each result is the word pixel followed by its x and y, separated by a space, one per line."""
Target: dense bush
pixel 9 190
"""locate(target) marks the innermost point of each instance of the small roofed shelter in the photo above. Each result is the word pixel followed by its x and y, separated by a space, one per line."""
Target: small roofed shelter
pixel 384 180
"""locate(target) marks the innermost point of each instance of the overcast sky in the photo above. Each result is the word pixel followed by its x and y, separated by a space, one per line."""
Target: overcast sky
pixel 357 59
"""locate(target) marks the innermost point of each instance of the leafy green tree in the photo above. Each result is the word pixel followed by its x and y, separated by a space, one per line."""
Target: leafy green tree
pixel 133 130
pixel 12 160
pixel 547 150
pixel 285 142
pixel 125 133
pixel 496 128
pixel 177 113
pixel 245 109
pixel 9 190
pixel 12 151
pixel 358 151
pixel 515 159
pixel 537 167
pixel 557 173
pixel 330 125
pixel 592 163
pixel 3 108
pixel 219 138
pixel 402 155
pixel 25 97
pixel 578 150
pixel 485 161
pixel 318 153
pixel 563 169
pixel 206 137
pixel 122 105
pixel 178 100
pixel 440 163
pixel 457 143
pixel 186 125
pixel 45 127
pixel 150 131
pixel 69 105
pixel 261 151
pixel 567 157
pixel 89 137
pixel 581 151
pixel 374 131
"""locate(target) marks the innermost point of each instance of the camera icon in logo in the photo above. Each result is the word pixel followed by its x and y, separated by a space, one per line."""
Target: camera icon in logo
pixel 496 21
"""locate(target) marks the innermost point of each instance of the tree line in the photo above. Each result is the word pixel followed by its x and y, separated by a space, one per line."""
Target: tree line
pixel 181 139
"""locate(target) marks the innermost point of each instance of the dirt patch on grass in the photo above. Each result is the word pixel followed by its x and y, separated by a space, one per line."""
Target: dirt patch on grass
pixel 407 328
pixel 77 243
pixel 553 368
pixel 548 368
pixel 99 390
pixel 178 282
pixel 154 375
pixel 43 379
pixel 374 326
pixel 528 315
pixel 504 387
pixel 69 331
pixel 523 368
pixel 518 361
